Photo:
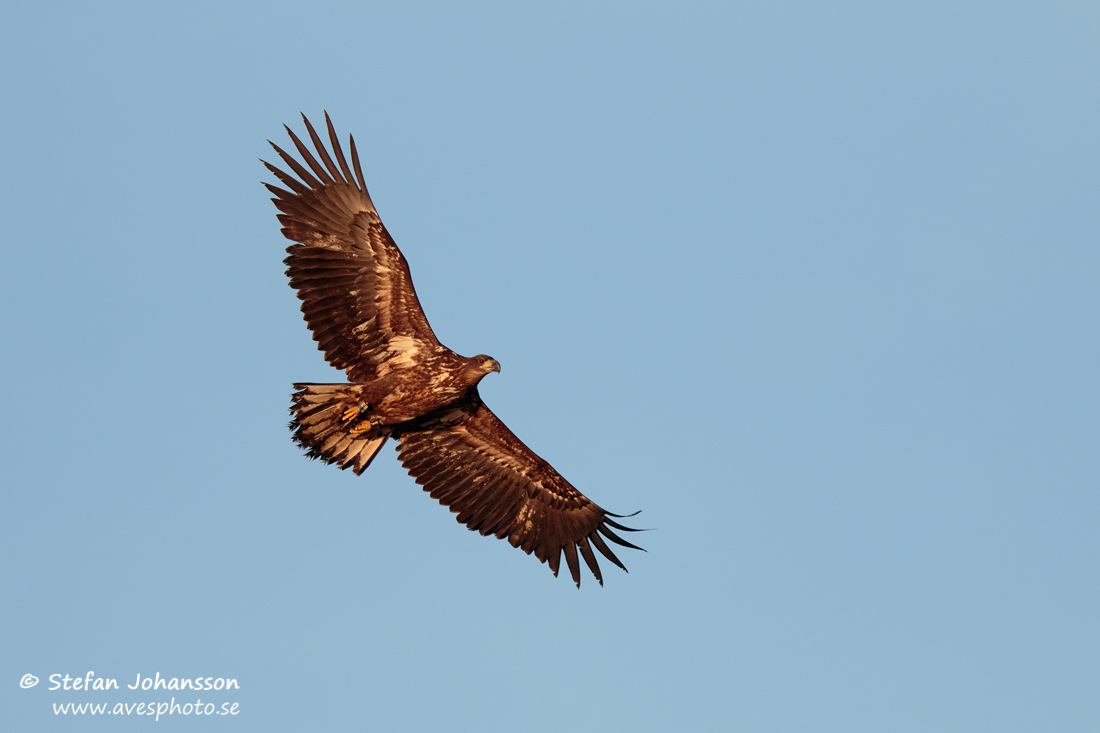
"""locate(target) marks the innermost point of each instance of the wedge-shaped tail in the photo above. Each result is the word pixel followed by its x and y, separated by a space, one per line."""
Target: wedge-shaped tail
pixel 321 425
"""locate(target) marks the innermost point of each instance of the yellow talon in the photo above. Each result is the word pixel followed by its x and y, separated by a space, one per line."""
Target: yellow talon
pixel 350 414
pixel 362 427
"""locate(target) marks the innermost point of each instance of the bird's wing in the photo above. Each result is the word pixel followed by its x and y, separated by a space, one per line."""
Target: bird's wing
pixel 469 460
pixel 356 291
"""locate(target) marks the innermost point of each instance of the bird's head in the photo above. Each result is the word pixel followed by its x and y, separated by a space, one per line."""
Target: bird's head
pixel 477 367
pixel 484 364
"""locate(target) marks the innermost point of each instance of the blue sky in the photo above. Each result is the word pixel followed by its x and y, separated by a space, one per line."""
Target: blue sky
pixel 812 285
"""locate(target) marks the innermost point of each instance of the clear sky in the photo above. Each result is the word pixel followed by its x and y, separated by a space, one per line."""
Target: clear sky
pixel 813 285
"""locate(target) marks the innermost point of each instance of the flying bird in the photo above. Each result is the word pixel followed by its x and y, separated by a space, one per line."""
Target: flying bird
pixel 358 300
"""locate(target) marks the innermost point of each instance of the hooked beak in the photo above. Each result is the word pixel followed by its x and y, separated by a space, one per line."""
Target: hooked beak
pixel 494 366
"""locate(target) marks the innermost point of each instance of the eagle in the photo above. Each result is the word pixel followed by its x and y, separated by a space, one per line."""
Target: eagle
pixel 358 300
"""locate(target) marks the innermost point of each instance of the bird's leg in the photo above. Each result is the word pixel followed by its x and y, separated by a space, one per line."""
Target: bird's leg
pixel 353 412
pixel 365 425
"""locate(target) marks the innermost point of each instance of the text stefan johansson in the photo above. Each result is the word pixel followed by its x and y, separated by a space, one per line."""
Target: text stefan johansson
pixel 156 682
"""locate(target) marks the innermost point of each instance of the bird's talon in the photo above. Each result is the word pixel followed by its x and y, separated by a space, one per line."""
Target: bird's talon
pixel 362 427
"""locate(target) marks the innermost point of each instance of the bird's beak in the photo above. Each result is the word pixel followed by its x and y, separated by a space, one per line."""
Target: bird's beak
pixel 496 366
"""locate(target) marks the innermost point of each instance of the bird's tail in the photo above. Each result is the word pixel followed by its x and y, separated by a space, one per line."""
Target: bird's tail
pixel 329 423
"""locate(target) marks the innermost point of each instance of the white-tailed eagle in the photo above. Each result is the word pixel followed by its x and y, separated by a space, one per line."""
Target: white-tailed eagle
pixel 359 302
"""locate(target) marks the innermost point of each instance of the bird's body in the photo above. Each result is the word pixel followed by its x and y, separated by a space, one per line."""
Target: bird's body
pixel 359 301
pixel 400 396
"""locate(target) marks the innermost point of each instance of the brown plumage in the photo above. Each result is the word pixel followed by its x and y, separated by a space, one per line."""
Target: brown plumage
pixel 359 302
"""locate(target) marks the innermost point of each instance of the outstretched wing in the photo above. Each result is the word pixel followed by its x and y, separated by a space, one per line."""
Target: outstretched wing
pixel 468 460
pixel 356 291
